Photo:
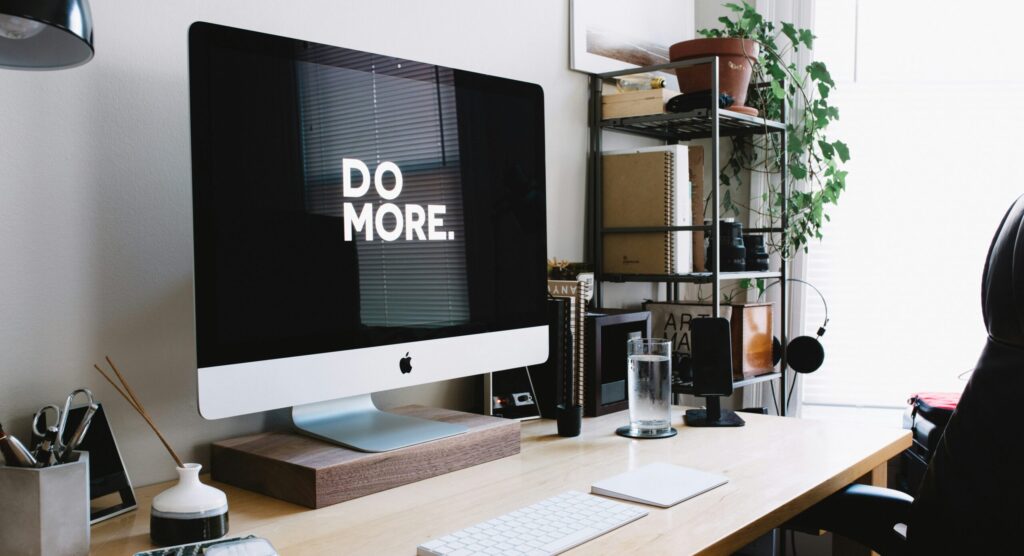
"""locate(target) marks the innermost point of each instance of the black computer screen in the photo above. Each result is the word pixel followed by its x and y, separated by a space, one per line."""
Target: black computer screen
pixel 344 199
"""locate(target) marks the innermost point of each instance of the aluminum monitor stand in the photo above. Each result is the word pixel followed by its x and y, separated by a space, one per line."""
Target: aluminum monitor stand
pixel 357 423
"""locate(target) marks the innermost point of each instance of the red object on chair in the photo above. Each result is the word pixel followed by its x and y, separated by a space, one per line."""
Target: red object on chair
pixel 936 400
pixel 936 407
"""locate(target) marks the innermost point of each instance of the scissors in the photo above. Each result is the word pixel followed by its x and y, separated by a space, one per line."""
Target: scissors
pixel 42 428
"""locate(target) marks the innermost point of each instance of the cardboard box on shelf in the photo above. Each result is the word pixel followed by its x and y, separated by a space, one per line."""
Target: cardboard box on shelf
pixel 635 103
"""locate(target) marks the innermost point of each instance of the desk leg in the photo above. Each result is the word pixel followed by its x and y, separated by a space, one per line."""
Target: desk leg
pixel 842 546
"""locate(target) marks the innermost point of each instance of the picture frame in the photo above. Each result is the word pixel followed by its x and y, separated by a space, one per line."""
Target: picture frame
pixel 606 366
pixel 110 489
pixel 611 35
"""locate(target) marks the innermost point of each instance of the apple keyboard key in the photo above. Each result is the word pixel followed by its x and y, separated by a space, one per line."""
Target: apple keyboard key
pixel 548 527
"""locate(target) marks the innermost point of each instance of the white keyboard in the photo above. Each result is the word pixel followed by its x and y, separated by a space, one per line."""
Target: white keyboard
pixel 548 527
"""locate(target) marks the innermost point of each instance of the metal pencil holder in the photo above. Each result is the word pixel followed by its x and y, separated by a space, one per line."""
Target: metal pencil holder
pixel 46 510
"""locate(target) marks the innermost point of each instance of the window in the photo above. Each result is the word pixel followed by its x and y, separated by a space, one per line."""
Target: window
pixel 933 125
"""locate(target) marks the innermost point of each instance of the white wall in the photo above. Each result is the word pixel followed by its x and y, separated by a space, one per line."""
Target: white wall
pixel 95 221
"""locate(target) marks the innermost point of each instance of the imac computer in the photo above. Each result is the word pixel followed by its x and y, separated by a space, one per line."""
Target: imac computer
pixel 361 223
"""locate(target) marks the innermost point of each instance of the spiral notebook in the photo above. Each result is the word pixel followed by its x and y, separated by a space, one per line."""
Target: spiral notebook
pixel 647 187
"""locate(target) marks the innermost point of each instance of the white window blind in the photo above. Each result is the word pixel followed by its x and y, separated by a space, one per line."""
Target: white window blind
pixel 403 113
pixel 933 134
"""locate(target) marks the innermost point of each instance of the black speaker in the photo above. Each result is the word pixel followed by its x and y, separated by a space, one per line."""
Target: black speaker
pixel 805 354
pixel 550 378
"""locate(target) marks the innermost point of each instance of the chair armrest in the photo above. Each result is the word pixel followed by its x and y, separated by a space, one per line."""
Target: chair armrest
pixel 863 513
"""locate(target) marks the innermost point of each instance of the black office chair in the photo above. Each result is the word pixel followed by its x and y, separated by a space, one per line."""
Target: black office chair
pixel 971 500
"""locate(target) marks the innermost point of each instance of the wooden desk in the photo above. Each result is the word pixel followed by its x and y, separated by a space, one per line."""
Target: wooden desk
pixel 777 467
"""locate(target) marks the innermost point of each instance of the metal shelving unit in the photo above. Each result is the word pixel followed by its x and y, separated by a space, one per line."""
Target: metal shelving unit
pixel 705 123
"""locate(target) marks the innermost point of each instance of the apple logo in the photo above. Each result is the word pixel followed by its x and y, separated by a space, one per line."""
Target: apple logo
pixel 405 364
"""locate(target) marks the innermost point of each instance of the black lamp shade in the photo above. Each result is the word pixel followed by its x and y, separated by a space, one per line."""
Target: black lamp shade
pixel 55 34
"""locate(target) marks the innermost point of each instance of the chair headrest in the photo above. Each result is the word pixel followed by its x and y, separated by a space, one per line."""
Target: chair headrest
pixel 1002 288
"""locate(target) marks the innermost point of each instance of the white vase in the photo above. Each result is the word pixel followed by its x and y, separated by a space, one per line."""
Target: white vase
pixel 188 511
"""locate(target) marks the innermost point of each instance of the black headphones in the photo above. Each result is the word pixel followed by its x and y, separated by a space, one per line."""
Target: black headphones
pixel 805 354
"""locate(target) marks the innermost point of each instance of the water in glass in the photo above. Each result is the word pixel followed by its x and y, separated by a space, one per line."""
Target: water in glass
pixel 650 391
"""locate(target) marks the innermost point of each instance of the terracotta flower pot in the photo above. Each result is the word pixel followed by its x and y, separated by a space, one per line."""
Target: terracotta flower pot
pixel 735 57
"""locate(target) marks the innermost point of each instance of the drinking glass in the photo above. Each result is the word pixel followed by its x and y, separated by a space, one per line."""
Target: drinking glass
pixel 649 380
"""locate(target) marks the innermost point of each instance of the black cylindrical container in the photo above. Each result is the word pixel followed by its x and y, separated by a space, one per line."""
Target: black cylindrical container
pixel 732 253
pixel 569 419
pixel 757 254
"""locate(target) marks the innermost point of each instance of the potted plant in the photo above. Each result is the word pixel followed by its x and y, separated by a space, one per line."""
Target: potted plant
pixel 737 58
pixel 811 156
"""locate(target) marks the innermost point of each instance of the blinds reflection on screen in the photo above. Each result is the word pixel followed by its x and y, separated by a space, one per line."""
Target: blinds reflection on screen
pixel 402 113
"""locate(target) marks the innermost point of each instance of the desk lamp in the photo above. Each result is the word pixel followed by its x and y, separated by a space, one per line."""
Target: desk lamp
pixel 712 373
pixel 45 34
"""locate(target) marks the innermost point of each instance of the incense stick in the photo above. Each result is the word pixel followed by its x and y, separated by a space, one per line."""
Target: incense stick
pixel 129 395
pixel 116 387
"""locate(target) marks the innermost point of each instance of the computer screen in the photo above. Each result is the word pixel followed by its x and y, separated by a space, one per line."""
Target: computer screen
pixel 346 200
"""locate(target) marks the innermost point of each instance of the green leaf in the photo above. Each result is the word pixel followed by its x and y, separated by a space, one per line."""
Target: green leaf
pixel 841 178
pixel 798 171
pixel 807 37
pixel 794 145
pixel 842 150
pixel 734 7
pixel 826 149
pixel 789 30
pixel 823 90
pixel 820 116
pixel 777 90
pixel 819 72
pixel 749 22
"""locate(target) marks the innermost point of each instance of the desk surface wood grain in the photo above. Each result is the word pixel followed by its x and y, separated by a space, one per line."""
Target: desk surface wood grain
pixel 776 466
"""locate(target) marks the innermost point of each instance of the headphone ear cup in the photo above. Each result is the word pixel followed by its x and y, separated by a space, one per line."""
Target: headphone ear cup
pixel 805 354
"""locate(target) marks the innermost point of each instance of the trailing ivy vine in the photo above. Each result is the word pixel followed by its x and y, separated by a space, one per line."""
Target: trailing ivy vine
pixel 810 156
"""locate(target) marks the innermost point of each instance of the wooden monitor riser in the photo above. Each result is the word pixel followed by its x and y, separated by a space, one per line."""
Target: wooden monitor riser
pixel 315 473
